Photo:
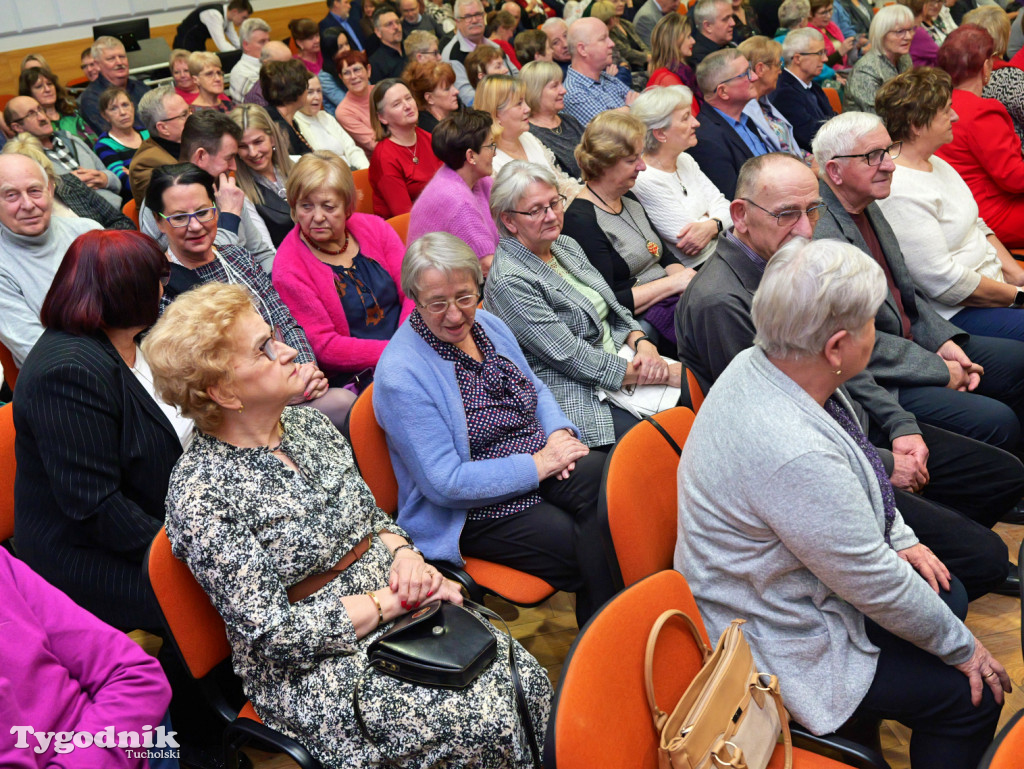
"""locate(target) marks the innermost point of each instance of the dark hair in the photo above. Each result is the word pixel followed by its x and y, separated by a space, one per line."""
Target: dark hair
pixel 529 44
pixel 385 8
pixel 424 76
pixel 303 29
pixel 461 131
pixel 240 5
pixel 283 82
pixel 965 51
pixel 177 175
pixel 29 77
pixel 206 129
pixel 88 50
pixel 108 278
pixel 109 95
pixel 499 20
pixel 912 100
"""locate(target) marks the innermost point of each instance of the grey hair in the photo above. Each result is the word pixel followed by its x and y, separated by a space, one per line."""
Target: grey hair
pixel 251 25
pixel 792 12
pixel 152 107
pixel 460 4
pixel 104 43
pixel 811 290
pixel 798 40
pixel 885 21
pixel 510 186
pixel 711 71
pixel 553 22
pixel 419 41
pixel 705 11
pixel 839 135
pixel 655 107
pixel 439 251
pixel 534 76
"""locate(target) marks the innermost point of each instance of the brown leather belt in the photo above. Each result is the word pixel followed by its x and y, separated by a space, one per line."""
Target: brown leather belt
pixel 314 582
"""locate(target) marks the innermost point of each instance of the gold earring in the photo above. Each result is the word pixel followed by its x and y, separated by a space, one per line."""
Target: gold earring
pixel 839 371
pixel 241 407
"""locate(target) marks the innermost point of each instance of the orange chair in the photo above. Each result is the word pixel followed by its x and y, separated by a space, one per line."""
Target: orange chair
pixel 600 714
pixel 834 100
pixel 10 369
pixel 370 448
pixel 400 224
pixel 364 192
pixel 78 81
pixel 1008 747
pixel 7 468
pixel 131 210
pixel 696 394
pixel 196 632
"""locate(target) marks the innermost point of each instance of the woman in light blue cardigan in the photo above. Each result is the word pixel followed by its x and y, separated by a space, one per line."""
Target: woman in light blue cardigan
pixel 787 520
pixel 487 464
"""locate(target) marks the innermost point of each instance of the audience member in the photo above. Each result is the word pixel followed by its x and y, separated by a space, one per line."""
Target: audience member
pixel 469 25
pixel 892 30
pixel 415 18
pixel 94 445
pixel 765 58
pixel 859 15
pixel 163 112
pixel 524 476
pixel 432 85
pixel 35 60
pixel 322 131
pixel 184 83
pixel 422 47
pixel 339 271
pixel 685 207
pixel 109 53
pixel 502 26
pixel 263 173
pixel 746 25
pixel 557 130
pixel 353 114
pixel 589 88
pixel 557 32
pixel 671 46
pixel 387 61
pixel 938 21
pixel 797 96
pixel 923 49
pixel 206 71
pixel 726 136
pixel 117 146
pixel 274 50
pixel 1005 83
pixel 339 15
pixel 90 67
pixel 253 35
pixel 457 199
pixel 403 161
pixel 442 12
pixel 795 14
pixel 306 37
pixel 333 44
pixel 216 22
pixel 837 45
pixel 60 108
pixel 284 85
pixel 484 61
pixel 713 24
pixel 532 45
pixel 649 15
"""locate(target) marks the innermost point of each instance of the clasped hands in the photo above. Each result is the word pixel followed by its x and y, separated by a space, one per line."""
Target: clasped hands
pixel 964 374
pixel 414 581
pixel 314 383
pixel 648 367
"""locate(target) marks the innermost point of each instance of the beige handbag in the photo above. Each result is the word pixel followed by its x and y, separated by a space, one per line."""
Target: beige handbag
pixel 730 716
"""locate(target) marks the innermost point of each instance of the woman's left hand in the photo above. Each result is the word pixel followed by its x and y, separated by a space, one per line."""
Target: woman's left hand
pixel 650 367
pixel 927 564
pixel 413 579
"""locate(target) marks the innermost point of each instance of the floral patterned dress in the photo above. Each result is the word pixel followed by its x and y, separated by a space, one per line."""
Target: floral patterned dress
pixel 248 527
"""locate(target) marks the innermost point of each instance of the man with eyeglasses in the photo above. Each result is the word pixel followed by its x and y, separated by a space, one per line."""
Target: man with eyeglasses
pixel 726 137
pixel 164 113
pixel 108 52
pixel 778 199
pixel 388 60
pixel 469 26
pixel 801 100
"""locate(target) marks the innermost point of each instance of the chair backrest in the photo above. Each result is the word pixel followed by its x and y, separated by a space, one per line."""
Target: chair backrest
pixel 834 100
pixel 400 224
pixel 601 717
pixel 10 370
pixel 642 527
pixel 370 447
pixel 7 471
pixel 364 192
pixel 696 394
pixel 1008 748
pixel 131 210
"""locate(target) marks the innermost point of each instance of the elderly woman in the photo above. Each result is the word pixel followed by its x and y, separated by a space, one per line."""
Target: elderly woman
pixel 672 44
pixel 954 258
pixel 404 159
pixel 765 57
pixel 923 48
pixel 59 106
pixel 322 130
pixel 557 130
pixel 505 98
pixel 892 30
pixel 612 228
pixel 184 84
pixel 269 512
pixel 353 114
pixel 985 151
pixel 432 84
pixel 505 476
pixel 566 318
pixel 208 75
pixel 837 45
pixel 339 271
pixel 685 207
pixel 937 20
pixel 117 145
pixel 1005 83
pixel 94 446
pixel 841 600
pixel 284 85
pixel 263 173
pixel 457 199
pixel 181 196
pixel 306 36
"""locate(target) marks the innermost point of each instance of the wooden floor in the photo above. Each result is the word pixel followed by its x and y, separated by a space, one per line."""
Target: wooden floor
pixel 548 630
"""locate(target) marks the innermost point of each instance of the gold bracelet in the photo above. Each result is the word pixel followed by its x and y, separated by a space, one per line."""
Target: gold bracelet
pixel 380 611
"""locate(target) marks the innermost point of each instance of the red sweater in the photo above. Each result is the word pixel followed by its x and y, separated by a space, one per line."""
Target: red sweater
pixel 395 179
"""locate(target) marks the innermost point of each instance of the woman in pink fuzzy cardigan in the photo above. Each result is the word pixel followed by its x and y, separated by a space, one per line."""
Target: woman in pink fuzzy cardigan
pixel 339 272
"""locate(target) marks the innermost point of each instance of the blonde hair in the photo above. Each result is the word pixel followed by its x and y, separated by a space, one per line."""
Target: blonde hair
pixel 610 137
pixel 495 93
pixel 248 116
pixel 190 349
pixel 535 76
pixel 319 170
pixel 993 20
pixel 761 50
pixel 29 146
pixel 176 55
pixel 200 60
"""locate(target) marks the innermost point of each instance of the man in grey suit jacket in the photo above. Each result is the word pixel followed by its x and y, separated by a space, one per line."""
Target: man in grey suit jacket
pixel 713 325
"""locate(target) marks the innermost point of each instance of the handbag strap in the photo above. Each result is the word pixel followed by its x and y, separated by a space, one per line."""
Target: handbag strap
pixel 521 704
pixel 657 713
pixel 665 435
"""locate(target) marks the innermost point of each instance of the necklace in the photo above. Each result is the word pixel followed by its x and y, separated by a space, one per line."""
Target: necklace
pixel 675 172
pixel 652 247
pixel 327 251
pixel 414 149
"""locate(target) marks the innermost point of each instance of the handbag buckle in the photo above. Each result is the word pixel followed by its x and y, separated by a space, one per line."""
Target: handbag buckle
pixel 737 755
pixel 764 682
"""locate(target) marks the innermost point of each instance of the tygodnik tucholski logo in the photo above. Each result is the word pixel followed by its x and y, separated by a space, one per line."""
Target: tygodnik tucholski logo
pixel 149 743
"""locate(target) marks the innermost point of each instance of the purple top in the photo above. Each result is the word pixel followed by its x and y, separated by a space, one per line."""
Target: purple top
pixel 447 204
pixel 923 51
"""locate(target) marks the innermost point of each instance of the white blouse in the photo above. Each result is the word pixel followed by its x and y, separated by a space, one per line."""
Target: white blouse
pixel 323 132
pixel 541 155
pixel 183 426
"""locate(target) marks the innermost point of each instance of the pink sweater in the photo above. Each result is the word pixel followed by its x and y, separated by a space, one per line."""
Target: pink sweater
pixel 447 204
pixel 307 286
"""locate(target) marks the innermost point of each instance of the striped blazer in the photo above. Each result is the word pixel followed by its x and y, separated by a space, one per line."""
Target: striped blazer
pixel 94 455
pixel 559 329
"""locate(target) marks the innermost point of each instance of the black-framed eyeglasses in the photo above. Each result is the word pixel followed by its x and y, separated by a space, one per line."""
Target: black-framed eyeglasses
pixel 34 112
pixel 540 212
pixel 792 216
pixel 269 347
pixel 440 307
pixel 874 158
pixel 184 115
pixel 822 54
pixel 472 17
pixel 203 215
pixel 493 147
pixel 747 73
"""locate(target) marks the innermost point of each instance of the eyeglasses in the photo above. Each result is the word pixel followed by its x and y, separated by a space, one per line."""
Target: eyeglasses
pixel 540 212
pixel 874 158
pixel 493 147
pixel 822 54
pixel 182 220
pixel 747 73
pixel 183 116
pixel 435 52
pixel 354 70
pixel 463 302
pixel 268 348
pixel 792 216
pixel 32 113
pixel 472 17
pixel 903 32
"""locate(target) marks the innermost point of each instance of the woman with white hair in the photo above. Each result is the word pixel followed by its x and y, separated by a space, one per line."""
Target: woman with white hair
pixel 892 31
pixel 682 203
pixel 841 601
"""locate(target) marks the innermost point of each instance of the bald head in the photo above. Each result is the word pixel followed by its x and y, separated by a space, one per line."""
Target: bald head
pixel 275 50
pixel 26 197
pixel 24 115
pixel 590 46
pixel 769 189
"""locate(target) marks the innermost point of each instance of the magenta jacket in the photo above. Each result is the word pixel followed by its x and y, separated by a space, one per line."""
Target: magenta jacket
pixel 307 286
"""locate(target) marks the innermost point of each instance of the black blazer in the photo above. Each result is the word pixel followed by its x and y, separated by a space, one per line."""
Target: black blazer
pixel 720 152
pixel 94 455
pixel 805 108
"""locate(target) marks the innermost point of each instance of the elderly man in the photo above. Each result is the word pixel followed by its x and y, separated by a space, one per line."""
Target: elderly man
pixel 388 60
pixel 68 153
pixel 164 113
pixel 414 18
pixel 32 246
pixel 469 33
pixel 214 21
pixel 340 14
pixel 422 47
pixel 727 137
pixel 713 23
pixel 650 13
pixel 797 95
pixel 253 35
pixel 112 59
pixel 557 32
pixel 589 88
pixel 274 50
pixel 973 385
pixel 777 200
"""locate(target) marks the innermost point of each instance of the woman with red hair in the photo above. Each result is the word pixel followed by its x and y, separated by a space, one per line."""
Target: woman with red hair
pixel 985 151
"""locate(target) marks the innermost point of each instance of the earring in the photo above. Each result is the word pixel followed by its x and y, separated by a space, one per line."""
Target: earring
pixel 839 371
pixel 241 407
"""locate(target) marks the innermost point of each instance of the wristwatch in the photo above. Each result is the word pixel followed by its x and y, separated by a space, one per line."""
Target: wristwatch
pixel 408 546
pixel 720 225
pixel 1018 301
pixel 644 338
